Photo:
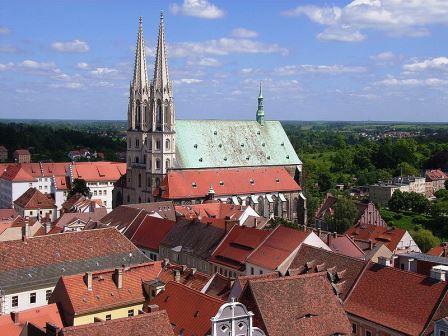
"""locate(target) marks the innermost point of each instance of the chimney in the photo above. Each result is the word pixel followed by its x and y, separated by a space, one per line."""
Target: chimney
pixel 437 273
pixel 384 261
pixel 370 244
pixel 15 317
pixel 193 271
pixel 26 233
pixel 177 275
pixel 153 308
pixel 51 329
pixel 88 280
pixel 184 268
pixel 47 226
pixel 118 277
pixel 319 232
pixel 335 234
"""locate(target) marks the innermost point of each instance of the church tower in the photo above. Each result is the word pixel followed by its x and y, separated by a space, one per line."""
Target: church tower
pixel 260 110
pixel 161 134
pixel 138 110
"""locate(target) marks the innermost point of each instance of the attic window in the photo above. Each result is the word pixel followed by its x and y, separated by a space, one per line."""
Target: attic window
pixel 221 183
pixel 196 314
pixel 225 159
pixel 220 145
pixel 242 145
pixel 247 157
pixel 195 146
pixel 282 144
pixel 309 315
pixel 277 180
pixel 269 157
pixel 215 132
pixel 287 156
pixel 251 181
pixel 263 144
pixel 194 185
pixel 258 132
pixel 200 159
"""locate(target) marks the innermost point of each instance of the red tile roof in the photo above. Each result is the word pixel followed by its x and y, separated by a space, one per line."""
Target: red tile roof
pixel 439 251
pixel 22 152
pixel 72 294
pixel 436 174
pixel 98 171
pixel 296 305
pixel 399 300
pixel 189 310
pixel 70 217
pixel 150 324
pixel 187 276
pixel 280 244
pixel 34 199
pixel 62 182
pixel 151 232
pixel 233 181
pixel 211 210
pixel 237 246
pixel 16 173
pixel 377 234
pixel 37 316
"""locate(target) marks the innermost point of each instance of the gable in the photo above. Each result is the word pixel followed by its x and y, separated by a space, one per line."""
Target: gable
pixel 232 143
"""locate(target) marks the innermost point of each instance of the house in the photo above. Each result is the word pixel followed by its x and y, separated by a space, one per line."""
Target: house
pixel 218 286
pixel 22 156
pixel 240 282
pixel 77 221
pixel 16 228
pixel 31 267
pixel 368 214
pixel 396 240
pixel 150 324
pixel 229 257
pixel 435 180
pixel 343 271
pixel 79 203
pixel 184 275
pixel 270 191
pixel 381 192
pixel 187 319
pixel 296 305
pixel 82 153
pixel 13 324
pixel 277 251
pixel 3 154
pixel 420 263
pixel 34 204
pixel 105 294
pixel 388 301
pixel 191 242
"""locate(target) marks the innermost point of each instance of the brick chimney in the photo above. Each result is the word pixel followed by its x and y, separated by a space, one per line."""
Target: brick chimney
pixel 15 317
pixel 118 277
pixel 153 308
pixel 26 231
pixel 88 279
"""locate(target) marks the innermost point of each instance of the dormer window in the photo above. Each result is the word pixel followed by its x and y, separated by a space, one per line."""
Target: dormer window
pixel 194 185
pixel 221 183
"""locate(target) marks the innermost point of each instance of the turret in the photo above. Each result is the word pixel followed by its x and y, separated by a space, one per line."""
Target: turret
pixel 260 110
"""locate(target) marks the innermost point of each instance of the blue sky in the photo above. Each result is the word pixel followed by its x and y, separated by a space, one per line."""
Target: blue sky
pixel 319 60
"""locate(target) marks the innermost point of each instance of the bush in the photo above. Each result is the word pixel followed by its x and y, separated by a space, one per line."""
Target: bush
pixel 425 239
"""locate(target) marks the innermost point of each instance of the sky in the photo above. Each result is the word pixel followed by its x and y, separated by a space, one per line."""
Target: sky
pixel 319 60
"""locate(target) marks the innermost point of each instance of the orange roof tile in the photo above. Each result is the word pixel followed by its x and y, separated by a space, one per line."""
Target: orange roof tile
pixel 389 236
pixel 16 173
pixel 151 232
pixel 188 277
pixel 34 199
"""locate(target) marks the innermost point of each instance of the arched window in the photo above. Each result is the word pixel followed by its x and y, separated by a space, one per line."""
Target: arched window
pixel 139 180
pixel 144 159
pixel 159 113
pixel 167 163
pixel 149 182
pixel 129 199
pixel 158 144
pixel 167 112
pixel 137 112
pixel 167 143
pixel 157 164
pixel 137 159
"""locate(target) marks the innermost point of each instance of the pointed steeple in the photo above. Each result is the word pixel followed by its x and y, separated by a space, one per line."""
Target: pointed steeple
pixel 140 79
pixel 161 76
pixel 260 110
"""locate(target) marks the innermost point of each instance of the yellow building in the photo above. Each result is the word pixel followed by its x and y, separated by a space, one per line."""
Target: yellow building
pixel 104 295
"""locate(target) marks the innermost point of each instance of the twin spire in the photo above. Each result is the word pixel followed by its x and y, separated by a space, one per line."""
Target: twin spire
pixel 161 77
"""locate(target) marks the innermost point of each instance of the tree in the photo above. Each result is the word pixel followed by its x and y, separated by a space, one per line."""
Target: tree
pixel 344 215
pixel 79 186
pixel 405 168
pixel 425 239
pixel 417 203
pixel 441 193
pixel 397 202
pixel 325 181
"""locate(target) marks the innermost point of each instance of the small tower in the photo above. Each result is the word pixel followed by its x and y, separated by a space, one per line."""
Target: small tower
pixel 260 110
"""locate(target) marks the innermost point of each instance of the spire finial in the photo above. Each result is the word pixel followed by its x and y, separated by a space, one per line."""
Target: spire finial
pixel 140 20
pixel 260 95
pixel 140 79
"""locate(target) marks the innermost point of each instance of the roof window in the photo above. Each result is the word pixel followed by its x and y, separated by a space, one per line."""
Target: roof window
pixel 220 145
pixel 225 159
pixel 195 146
pixel 269 157
pixel 200 159
pixel 258 132
pixel 221 183
pixel 287 156
pixel 277 180
pixel 282 144
pixel 252 181
pixel 194 185
pixel 242 145
pixel 215 132
pixel 263 144
pixel 247 157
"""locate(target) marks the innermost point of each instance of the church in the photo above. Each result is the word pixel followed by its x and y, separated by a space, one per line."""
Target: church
pixel 191 161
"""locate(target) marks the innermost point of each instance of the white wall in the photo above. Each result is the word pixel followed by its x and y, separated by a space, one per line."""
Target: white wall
pixel 24 300
pixel 103 191
pixel 407 244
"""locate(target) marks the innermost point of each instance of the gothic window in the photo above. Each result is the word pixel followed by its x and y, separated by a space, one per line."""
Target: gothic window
pixel 139 199
pixel 159 113
pixel 167 143
pixel 167 112
pixel 137 159
pixel 137 109
pixel 167 163
pixel 129 199
pixel 157 164
pixel 137 143
pixel 144 159
pixel 139 180
pixel 158 144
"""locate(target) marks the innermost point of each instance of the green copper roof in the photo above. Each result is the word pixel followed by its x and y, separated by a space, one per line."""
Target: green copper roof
pixel 232 143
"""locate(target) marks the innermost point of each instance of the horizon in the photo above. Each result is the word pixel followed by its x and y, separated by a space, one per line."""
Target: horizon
pixel 313 68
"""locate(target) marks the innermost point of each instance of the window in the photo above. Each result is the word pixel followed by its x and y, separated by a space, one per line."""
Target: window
pixel 130 312
pixel 31 213
pixel 368 333
pixel 158 144
pixel 167 143
pixel 48 294
pixel 33 297
pixel 137 143
pixel 100 192
pixel 108 317
pixel 157 164
pixel 15 301
pixel 354 328
pixel 105 203
pixel 94 193
pixel 105 192
pixel 261 272
pixel 252 271
pixel 167 163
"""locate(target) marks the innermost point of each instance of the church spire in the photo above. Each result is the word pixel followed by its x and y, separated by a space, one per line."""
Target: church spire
pixel 260 110
pixel 140 79
pixel 161 77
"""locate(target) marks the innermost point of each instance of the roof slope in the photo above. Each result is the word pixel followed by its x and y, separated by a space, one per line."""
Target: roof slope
pixel 277 247
pixel 194 237
pixel 306 302
pixel 193 318
pixel 226 182
pixel 151 232
pixel 377 234
pixel 187 276
pixel 346 270
pixel 151 324
pixel 16 173
pixel 34 199
pixel 415 298
pixel 214 143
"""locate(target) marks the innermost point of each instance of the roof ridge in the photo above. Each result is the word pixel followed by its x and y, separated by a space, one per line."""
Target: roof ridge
pixel 213 298
pixel 332 252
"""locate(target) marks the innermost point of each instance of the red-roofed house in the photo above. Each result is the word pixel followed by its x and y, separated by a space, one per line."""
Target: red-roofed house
pixel 13 324
pixel 34 204
pixel 439 251
pixel 270 191
pixel 104 295
pixel 278 250
pixel 189 311
pixel 435 180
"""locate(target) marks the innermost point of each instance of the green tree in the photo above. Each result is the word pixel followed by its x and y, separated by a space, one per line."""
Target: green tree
pixel 344 215
pixel 417 203
pixel 441 194
pixel 325 181
pixel 405 168
pixel 425 239
pixel 397 202
pixel 79 186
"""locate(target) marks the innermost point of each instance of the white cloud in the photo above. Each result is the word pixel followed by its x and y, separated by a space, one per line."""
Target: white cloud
pixel 224 46
pixel 431 82
pixel 4 30
pixel 7 66
pixel 437 63
pixel 69 85
pixel 205 62
pixel 198 8
pixel 75 46
pixel 103 71
pixel 384 56
pixel 187 81
pixel 244 33
pixel 34 65
pixel 82 65
pixel 290 70
pixel 396 17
